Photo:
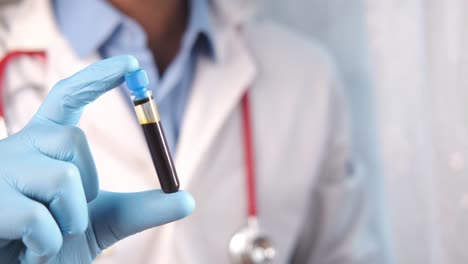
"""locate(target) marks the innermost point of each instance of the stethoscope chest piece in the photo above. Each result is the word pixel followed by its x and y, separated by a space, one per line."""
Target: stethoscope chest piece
pixel 250 246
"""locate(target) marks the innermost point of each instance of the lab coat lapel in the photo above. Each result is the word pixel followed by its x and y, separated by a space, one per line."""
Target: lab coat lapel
pixel 217 90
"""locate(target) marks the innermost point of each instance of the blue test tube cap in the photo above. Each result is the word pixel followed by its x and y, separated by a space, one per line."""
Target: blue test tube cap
pixel 137 81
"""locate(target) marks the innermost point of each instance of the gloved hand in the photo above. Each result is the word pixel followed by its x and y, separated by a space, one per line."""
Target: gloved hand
pixel 51 208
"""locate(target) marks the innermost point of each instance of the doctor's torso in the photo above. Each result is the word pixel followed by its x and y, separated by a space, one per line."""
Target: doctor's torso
pixel 292 107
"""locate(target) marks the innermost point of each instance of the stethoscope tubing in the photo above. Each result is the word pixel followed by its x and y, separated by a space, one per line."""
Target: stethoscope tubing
pixel 10 56
pixel 247 129
pixel 5 61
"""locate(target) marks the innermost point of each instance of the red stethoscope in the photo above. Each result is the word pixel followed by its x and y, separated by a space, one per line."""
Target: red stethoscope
pixel 247 246
pixel 4 62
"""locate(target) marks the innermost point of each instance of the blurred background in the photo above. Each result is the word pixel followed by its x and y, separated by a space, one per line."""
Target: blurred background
pixel 405 65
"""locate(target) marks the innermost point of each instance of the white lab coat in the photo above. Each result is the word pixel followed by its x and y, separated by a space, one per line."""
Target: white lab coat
pixel 314 209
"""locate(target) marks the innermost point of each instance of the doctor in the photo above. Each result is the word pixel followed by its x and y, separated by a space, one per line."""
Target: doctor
pixel 214 66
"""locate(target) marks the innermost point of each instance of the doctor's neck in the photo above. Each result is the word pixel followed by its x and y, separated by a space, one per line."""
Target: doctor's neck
pixel 164 22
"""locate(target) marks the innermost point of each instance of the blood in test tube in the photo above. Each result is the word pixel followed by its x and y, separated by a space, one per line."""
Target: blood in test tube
pixel 148 116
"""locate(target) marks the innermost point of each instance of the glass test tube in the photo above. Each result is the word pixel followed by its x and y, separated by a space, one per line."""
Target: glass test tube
pixel 148 117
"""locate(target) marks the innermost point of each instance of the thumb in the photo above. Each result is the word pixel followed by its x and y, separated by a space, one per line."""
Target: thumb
pixel 65 102
pixel 115 216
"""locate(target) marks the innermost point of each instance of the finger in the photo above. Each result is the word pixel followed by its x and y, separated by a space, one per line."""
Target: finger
pixel 118 215
pixel 66 100
pixel 57 184
pixel 68 143
pixel 31 222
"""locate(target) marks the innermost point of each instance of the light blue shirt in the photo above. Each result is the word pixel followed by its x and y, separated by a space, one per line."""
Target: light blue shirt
pixel 95 25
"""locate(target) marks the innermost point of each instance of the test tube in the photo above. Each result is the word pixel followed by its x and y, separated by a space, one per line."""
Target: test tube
pixel 148 117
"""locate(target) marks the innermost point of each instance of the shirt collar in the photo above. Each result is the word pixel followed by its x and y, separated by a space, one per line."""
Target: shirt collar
pixel 88 24
pixel 200 24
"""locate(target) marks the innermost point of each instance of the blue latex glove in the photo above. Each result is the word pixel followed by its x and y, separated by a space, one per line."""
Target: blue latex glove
pixel 51 208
